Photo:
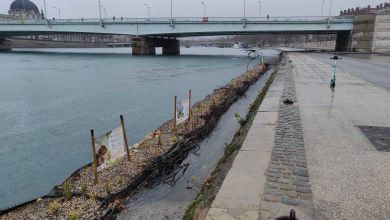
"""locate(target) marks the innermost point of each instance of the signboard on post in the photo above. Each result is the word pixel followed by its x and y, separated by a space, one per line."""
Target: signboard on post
pixel 109 148
pixel 182 110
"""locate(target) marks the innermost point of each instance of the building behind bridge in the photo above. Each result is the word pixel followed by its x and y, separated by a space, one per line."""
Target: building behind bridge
pixel 381 8
pixel 23 10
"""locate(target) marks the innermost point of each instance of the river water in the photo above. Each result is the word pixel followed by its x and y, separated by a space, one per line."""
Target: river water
pixel 51 98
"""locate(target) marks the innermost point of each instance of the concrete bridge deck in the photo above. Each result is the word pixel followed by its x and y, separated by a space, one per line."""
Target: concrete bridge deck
pixel 178 27
pixel 367 32
pixel 161 32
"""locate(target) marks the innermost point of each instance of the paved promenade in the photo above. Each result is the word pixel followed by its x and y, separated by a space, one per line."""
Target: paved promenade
pixel 350 177
pixel 313 154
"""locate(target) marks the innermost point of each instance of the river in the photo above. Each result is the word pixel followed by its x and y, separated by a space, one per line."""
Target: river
pixel 51 98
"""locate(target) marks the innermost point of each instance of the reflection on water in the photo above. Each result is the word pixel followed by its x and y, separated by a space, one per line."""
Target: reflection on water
pixel 50 101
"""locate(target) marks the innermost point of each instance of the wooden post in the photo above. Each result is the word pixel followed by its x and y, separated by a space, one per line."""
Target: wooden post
pixel 189 105
pixel 94 167
pixel 125 137
pixel 174 114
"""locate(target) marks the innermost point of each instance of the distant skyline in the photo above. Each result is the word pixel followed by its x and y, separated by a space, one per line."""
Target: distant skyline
pixel 192 8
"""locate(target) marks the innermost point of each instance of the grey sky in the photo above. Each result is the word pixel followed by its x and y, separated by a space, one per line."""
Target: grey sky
pixel 192 8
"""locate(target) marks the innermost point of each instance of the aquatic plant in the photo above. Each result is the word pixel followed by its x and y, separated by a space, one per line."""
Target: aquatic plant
pixel 240 120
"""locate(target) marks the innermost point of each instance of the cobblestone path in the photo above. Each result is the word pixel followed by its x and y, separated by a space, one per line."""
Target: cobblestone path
pixel 288 180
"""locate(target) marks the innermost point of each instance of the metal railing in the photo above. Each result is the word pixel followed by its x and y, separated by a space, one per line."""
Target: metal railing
pixel 180 20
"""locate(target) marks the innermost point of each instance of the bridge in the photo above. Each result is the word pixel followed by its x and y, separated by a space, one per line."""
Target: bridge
pixel 162 32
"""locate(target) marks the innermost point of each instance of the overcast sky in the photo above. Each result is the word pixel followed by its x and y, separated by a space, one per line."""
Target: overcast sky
pixel 192 8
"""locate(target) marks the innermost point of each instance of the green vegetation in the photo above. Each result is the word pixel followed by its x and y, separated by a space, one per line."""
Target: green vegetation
pixel 240 120
pixel 92 195
pixel 210 188
pixel 84 187
pixel 68 190
pixel 174 139
pixel 54 208
pixel 107 187
pixel 73 215
pixel 120 180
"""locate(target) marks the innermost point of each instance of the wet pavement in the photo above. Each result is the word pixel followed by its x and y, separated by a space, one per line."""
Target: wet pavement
pixel 372 68
pixel 335 171
pixel 350 178
pixel 379 137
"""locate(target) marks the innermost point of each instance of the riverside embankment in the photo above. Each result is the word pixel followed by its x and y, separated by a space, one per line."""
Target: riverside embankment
pixel 162 200
pixel 152 161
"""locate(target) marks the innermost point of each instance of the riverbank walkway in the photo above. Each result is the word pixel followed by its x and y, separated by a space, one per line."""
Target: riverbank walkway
pixel 325 154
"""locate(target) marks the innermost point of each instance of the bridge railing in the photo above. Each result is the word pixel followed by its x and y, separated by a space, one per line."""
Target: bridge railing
pixel 179 20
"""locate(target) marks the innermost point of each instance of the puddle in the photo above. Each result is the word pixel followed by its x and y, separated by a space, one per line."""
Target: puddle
pixel 379 137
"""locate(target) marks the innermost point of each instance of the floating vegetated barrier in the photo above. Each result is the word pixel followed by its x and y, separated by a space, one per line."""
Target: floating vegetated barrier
pixel 157 158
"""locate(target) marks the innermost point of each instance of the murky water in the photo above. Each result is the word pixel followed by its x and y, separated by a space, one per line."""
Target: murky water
pixel 49 102
pixel 170 202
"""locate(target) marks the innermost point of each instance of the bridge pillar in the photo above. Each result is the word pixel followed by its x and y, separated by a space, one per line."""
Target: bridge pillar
pixel 343 41
pixel 147 46
pixel 143 46
pixel 371 33
pixel 5 45
pixel 363 33
pixel 171 47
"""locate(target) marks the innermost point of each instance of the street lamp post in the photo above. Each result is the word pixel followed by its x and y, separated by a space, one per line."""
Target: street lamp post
pixel 172 25
pixel 171 9
pixel 244 9
pixel 259 9
pixel 330 12
pixel 59 12
pixel 322 8
pixel 204 9
pixel 44 5
pixel 100 14
pixel 147 6
pixel 105 11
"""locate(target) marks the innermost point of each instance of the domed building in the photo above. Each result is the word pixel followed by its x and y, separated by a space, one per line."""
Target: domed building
pixel 25 9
